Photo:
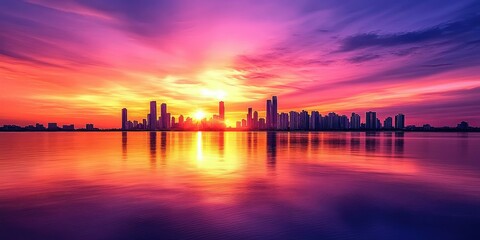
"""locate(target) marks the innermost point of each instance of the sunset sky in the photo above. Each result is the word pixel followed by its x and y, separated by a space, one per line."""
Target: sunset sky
pixel 81 61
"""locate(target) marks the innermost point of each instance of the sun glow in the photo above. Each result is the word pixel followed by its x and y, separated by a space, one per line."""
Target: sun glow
pixel 215 94
pixel 199 115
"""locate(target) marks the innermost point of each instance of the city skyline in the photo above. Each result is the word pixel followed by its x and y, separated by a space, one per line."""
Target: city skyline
pixel 272 120
pixel 80 61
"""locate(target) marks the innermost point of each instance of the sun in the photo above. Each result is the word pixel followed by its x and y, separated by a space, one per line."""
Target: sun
pixel 199 115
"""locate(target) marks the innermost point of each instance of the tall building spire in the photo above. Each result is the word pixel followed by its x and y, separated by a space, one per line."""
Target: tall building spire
pixel 124 119
pixel 221 110
pixel 152 121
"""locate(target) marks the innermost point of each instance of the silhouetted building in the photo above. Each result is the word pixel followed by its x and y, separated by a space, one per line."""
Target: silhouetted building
pixel 274 112
pixel 355 121
pixel 427 127
pixel 69 127
pixel 152 122
pixel 463 125
pixel 168 124
pixel 163 114
pixel 315 120
pixel 250 118
pixel 388 123
pixel 400 121
pixel 89 126
pixel 52 126
pixel 371 120
pixel 262 124
pixel 255 120
pixel 221 110
pixel 39 126
pixel 124 119
pixel 269 114
pixel 304 119
pixel 283 121
pixel 294 119
pixel 333 121
pixel 343 122
pixel 180 121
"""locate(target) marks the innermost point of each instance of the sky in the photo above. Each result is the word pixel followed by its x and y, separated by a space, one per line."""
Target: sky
pixel 82 61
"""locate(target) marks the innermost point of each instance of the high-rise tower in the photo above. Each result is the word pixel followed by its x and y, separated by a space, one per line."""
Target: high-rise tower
pixel 371 120
pixel 269 114
pixel 400 121
pixel 250 118
pixel 274 113
pixel 153 116
pixel 221 110
pixel 165 118
pixel 124 119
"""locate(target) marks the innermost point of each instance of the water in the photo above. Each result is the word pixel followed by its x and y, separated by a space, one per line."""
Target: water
pixel 239 185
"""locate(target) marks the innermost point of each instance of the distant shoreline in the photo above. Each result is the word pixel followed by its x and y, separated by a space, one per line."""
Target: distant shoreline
pixel 243 130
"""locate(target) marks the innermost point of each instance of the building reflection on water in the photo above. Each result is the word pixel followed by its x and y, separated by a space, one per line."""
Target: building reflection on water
pixel 163 147
pixel 221 143
pixel 153 148
pixel 388 143
pixel 371 143
pixel 271 149
pixel 124 145
pixel 355 142
pixel 226 150
pixel 399 143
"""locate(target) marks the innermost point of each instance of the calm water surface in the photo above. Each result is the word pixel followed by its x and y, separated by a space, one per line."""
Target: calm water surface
pixel 239 185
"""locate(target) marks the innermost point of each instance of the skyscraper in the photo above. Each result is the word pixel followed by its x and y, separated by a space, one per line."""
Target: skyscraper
pixel 269 114
pixel 333 121
pixel 168 123
pixel 221 110
pixel 355 121
pixel 52 126
pixel 255 120
pixel 165 118
pixel 304 120
pixel 388 123
pixel 274 113
pixel 400 121
pixel 180 121
pixel 371 120
pixel 315 120
pixel 293 123
pixel 153 116
pixel 343 122
pixel 124 119
pixel 282 121
pixel 249 118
